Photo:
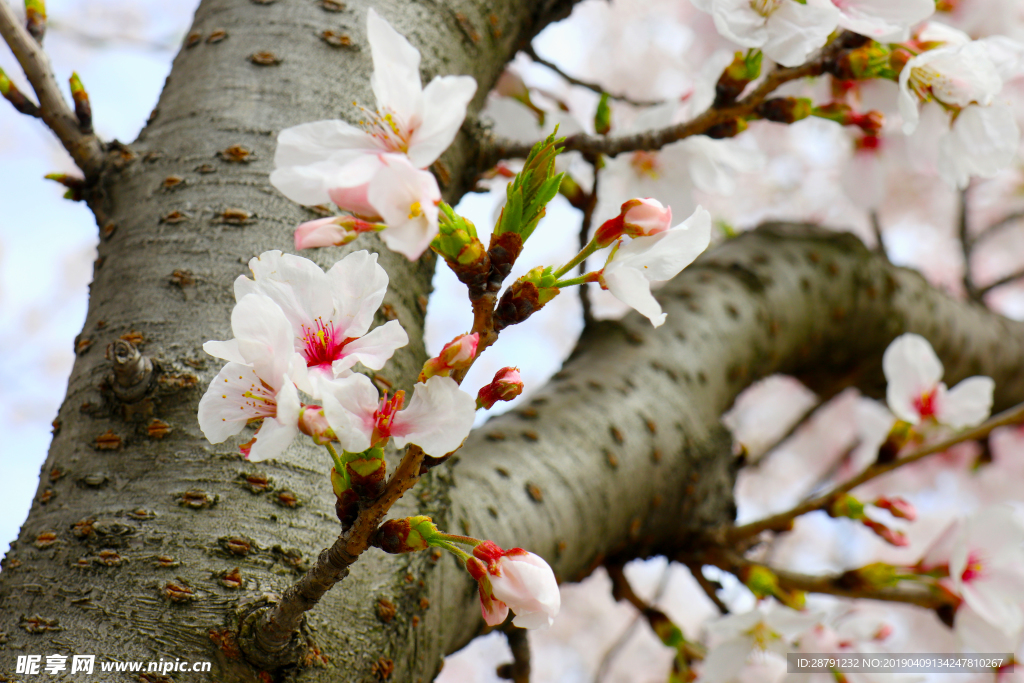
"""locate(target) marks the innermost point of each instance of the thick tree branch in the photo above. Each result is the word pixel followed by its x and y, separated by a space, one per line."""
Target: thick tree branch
pixel 84 148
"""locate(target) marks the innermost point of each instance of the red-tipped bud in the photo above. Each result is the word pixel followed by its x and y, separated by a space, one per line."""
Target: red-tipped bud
pixel 506 385
pixel 332 231
pixel 898 507
pixel 456 355
pixel 890 536
pixel 637 218
pixel 15 96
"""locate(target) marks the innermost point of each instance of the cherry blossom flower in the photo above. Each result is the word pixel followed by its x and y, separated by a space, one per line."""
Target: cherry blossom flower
pixel 406 198
pixel 455 355
pixel 883 20
pixel 915 392
pixel 332 231
pixel 518 580
pixel 984 555
pixel 770 627
pixel 981 142
pixel 633 267
pixel 437 419
pixel 326 315
pixel 255 385
pixel 785 30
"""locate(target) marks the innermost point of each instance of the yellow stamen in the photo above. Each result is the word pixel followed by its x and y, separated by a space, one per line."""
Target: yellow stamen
pixel 415 210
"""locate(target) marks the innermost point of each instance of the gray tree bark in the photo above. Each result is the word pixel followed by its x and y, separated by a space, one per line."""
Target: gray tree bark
pixel 137 525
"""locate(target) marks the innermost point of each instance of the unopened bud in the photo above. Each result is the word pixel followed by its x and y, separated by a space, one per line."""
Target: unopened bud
pixel 898 507
pixel 744 68
pixel 506 385
pixel 405 535
pixel 83 110
pixel 16 97
pixel 870 577
pixel 346 504
pixel 525 296
pixel 869 61
pixel 75 185
pixel 456 239
pixel 603 116
pixel 890 536
pixel 637 218
pixel 457 354
pixel 785 109
pixel 846 506
pixel 313 423
pixel 726 129
pixel 35 18
pixel 332 231
pixel 870 122
pixel 763 583
pixel 572 191
pixel 894 442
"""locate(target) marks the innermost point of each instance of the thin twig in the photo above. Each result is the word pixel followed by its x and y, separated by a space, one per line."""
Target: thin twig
pixel 493 150
pixel 876 228
pixel 783 520
pixel 585 84
pixel 518 641
pixel 997 227
pixel 84 148
pixel 707 586
pixel 1005 280
pixel 612 652
pixel 589 206
pixel 967 246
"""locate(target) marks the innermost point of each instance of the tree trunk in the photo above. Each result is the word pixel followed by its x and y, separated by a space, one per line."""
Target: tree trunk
pixel 128 550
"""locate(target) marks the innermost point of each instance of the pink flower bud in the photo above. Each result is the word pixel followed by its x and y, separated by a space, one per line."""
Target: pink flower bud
pixel 456 355
pixel 514 579
pixel 637 218
pixel 506 385
pixel 313 422
pixel 899 507
pixel 883 632
pixel 331 231
pixel 896 538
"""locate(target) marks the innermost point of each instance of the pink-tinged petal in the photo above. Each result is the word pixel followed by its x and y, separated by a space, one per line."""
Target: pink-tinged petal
pixel 309 143
pixel 528 586
pixel 725 661
pixel 296 284
pixel 795 30
pixel 662 256
pixel 396 69
pixel 940 552
pixel 444 108
pixel 982 142
pixel 316 183
pixel 629 286
pixel 967 404
pixel 225 350
pixel 911 369
pixel 406 199
pixel 495 612
pixel 884 20
pixel 438 418
pixel 224 409
pixel 265 337
pixel 322 232
pixel 272 439
pixel 645 217
pixel 357 284
pixel 996 600
pixel 349 404
pixel 348 185
pixel 976 634
pixel 373 349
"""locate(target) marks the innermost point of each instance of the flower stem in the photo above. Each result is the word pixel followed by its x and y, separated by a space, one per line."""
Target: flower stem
pixel 453 549
pixel 466 540
pixel 581 280
pixel 339 464
pixel 577 259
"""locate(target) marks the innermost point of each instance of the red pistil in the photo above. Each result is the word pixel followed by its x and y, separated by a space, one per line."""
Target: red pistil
pixel 925 404
pixel 384 416
pixel 322 346
pixel 975 568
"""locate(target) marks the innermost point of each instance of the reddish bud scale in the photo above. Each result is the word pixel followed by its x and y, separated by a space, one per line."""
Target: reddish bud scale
pixel 506 385
pixel 407 535
pixel 785 109
pixel 611 230
pixel 457 354
pixel 891 536
pixel 898 507
pixel 726 129
pixel 367 476
pixel 35 18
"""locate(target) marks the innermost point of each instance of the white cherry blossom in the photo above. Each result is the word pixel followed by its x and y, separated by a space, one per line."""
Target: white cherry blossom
pixel 407 199
pixel 786 31
pixel 325 316
pixel 634 266
pixel 981 142
pixel 916 393
pixel 887 21
pixel 437 419
pixel 518 580
pixel 255 384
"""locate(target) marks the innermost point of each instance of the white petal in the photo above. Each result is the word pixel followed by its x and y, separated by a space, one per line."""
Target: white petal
pixel 713 164
pixel 795 30
pixel 357 285
pixel 975 634
pixel 349 405
pixel 996 600
pixel 884 20
pixel 662 256
pixel 396 69
pixel 244 285
pixel 911 368
pixel 528 586
pixel 407 199
pixel 444 108
pixel 907 102
pixel 1006 54
pixel 940 552
pixel 629 286
pixel 226 350
pixel 224 410
pixel 272 439
pixel 438 418
pixel 726 660
pixel 296 284
pixel 288 404
pixel 310 156
pixel 372 350
pixel 982 142
pixel 967 404
pixel 265 337
pixel 938 32
pixel 737 21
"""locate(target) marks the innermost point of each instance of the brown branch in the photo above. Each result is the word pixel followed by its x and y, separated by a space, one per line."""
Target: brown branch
pixel 518 671
pixel 493 150
pixel 709 588
pixel 783 520
pixel 876 228
pixel 85 149
pixel 967 247
pixel 1005 280
pixel 589 206
pixel 595 87
pixel 269 636
pixel 997 227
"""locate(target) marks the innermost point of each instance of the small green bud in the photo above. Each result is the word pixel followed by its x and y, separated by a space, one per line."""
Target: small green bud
pixel 871 577
pixel 405 535
pixel 531 190
pixel 869 61
pixel 603 116
pixel 846 506
pixel 744 68
pixel 35 18
pixel 83 110
pixel 785 109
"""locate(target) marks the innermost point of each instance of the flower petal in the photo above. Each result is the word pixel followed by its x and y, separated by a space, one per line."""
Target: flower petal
pixel 349 405
pixel 884 20
pixel 297 285
pixel 982 142
pixel 396 69
pixel 911 368
pixel 373 349
pixel 226 350
pixel 265 337
pixel 356 284
pixel 224 410
pixel 629 286
pixel 438 418
pixel 272 439
pixel 444 109
pixel 795 30
pixel 967 404
pixel 407 199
